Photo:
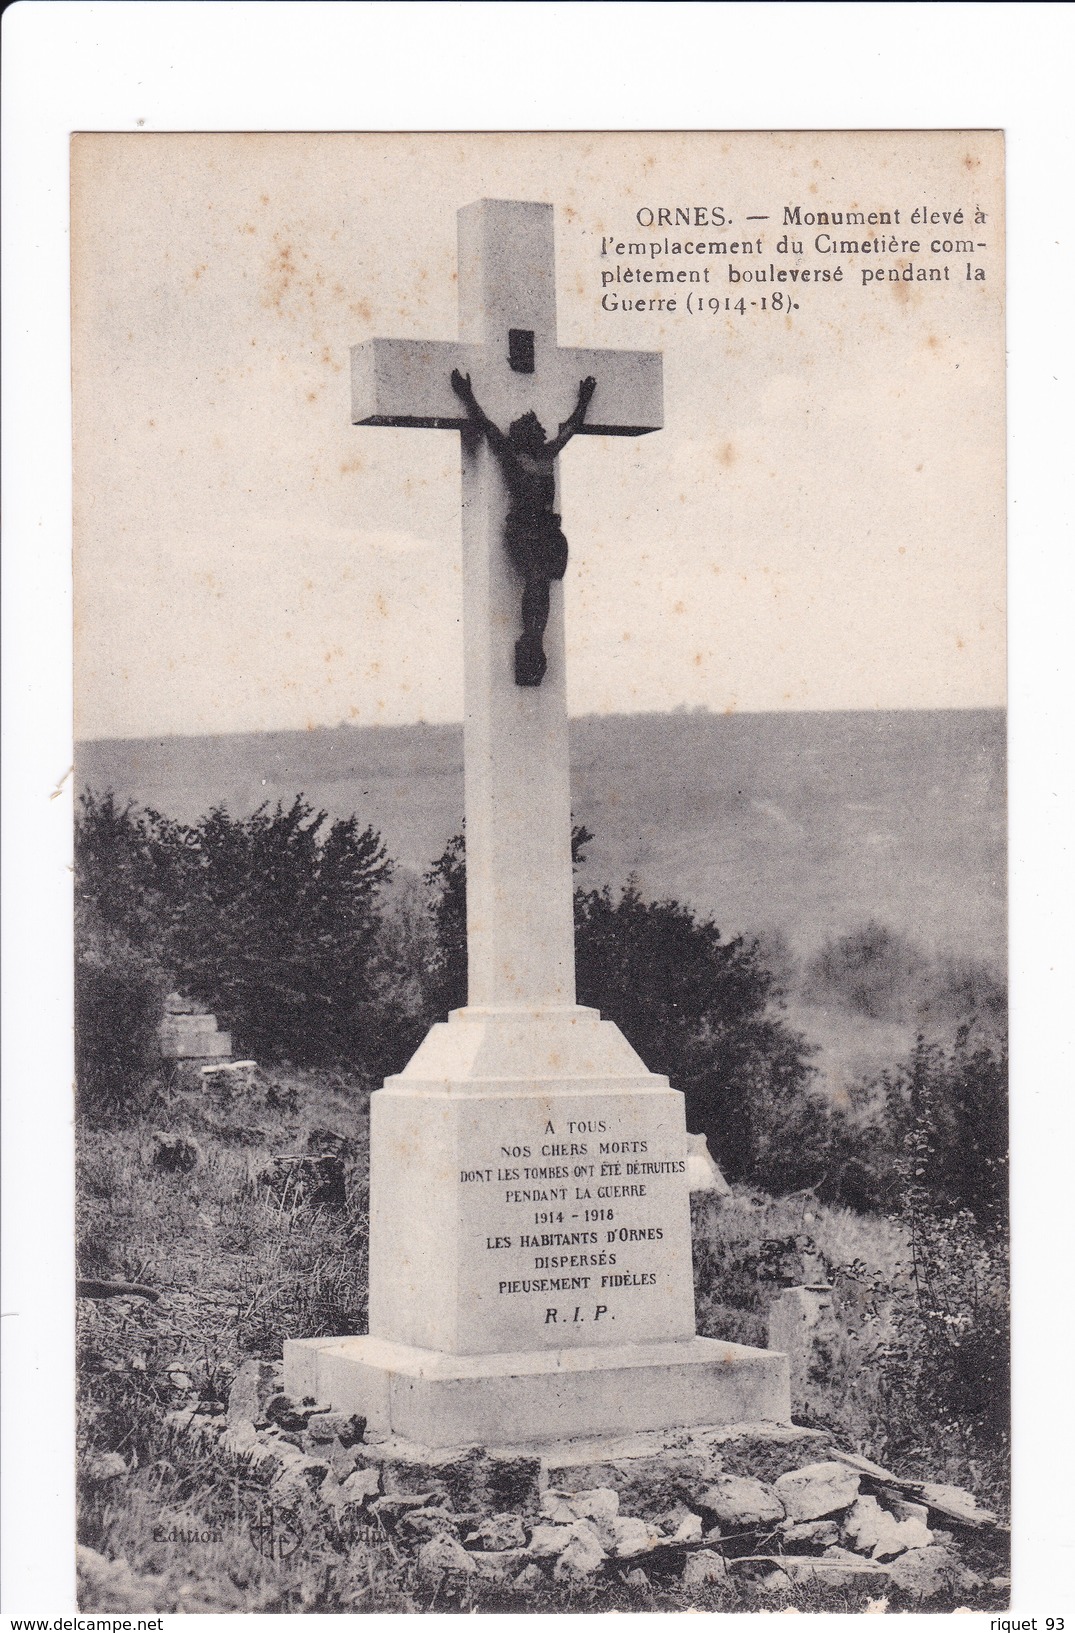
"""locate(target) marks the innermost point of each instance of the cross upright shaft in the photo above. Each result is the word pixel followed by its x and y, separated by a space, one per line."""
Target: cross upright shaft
pixel 520 933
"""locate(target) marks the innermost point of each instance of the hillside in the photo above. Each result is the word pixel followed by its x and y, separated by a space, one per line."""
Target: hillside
pixel 796 823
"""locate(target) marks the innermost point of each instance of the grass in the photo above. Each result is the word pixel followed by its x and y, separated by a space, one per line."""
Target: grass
pixel 244 1258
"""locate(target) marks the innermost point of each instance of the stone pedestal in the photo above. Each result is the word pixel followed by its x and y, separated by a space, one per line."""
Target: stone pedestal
pixel 530 1252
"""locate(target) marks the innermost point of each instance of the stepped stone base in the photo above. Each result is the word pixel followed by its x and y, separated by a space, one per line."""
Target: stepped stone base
pixel 441 1400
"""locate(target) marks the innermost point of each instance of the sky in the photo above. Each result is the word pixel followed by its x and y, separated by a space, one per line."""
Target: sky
pixel 819 525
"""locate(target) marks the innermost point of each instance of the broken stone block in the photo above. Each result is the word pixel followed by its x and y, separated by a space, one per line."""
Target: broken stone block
pixel 740 1503
pixel 549 1541
pixel 531 1576
pixel 442 1555
pixel 429 1522
pixel 956 1504
pixel 175 1153
pixel 626 1538
pixel 341 1426
pixel 254 1385
pixel 819 1489
pixel 811 1534
pixel 870 1529
pixel 703 1568
pixel 598 1504
pixel 803 1326
pixel 556 1507
pixel 688 1531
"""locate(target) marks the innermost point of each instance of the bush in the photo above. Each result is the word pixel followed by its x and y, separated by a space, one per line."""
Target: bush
pixel 119 1001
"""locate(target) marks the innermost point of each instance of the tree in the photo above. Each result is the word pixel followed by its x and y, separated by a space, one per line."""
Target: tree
pixel 706 1013
pixel 271 920
pixel 699 1009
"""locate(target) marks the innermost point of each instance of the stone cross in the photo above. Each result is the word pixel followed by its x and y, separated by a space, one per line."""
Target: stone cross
pixel 529 1239
pixel 520 936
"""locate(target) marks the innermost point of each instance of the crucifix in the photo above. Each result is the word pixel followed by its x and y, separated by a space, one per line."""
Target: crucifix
pixel 524 1124
pixel 507 364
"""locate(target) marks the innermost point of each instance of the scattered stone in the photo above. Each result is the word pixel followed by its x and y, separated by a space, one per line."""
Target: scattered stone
pixel 342 1459
pixel 776 1581
pixel 531 1576
pixel 582 1558
pixel 832 1571
pixel 669 1523
pixel 814 1533
pixel 319 1181
pixel 442 1555
pixel 646 1484
pixel 872 1471
pixel 956 1504
pixel 331 1492
pixel 341 1426
pixel 741 1503
pixel 599 1504
pixel 498 1567
pixel 106 1466
pixel 927 1572
pixel 549 1541
pixel 178 1422
pixel 900 1507
pixel 556 1507
pixel 363 1484
pixel 626 1538
pixel 429 1522
pixel 309 1471
pixel 688 1531
pixel 638 1578
pixel 253 1387
pixel 498 1533
pixel 818 1490
pixel 395 1503
pixel 174 1153
pixel 870 1529
pixel 291 1414
pixel 703 1568
pixel 490 1481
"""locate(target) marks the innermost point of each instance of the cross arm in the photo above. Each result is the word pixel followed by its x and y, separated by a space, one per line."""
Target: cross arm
pixel 409 382
pixel 629 399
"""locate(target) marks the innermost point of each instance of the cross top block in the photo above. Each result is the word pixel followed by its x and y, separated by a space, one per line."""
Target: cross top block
pixel 507 344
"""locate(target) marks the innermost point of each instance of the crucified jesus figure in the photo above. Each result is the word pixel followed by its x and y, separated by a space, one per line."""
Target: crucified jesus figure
pixel 532 533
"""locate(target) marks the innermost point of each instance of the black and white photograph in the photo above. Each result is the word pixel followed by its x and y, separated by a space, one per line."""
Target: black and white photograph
pixel 540 987
pixel 534 672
